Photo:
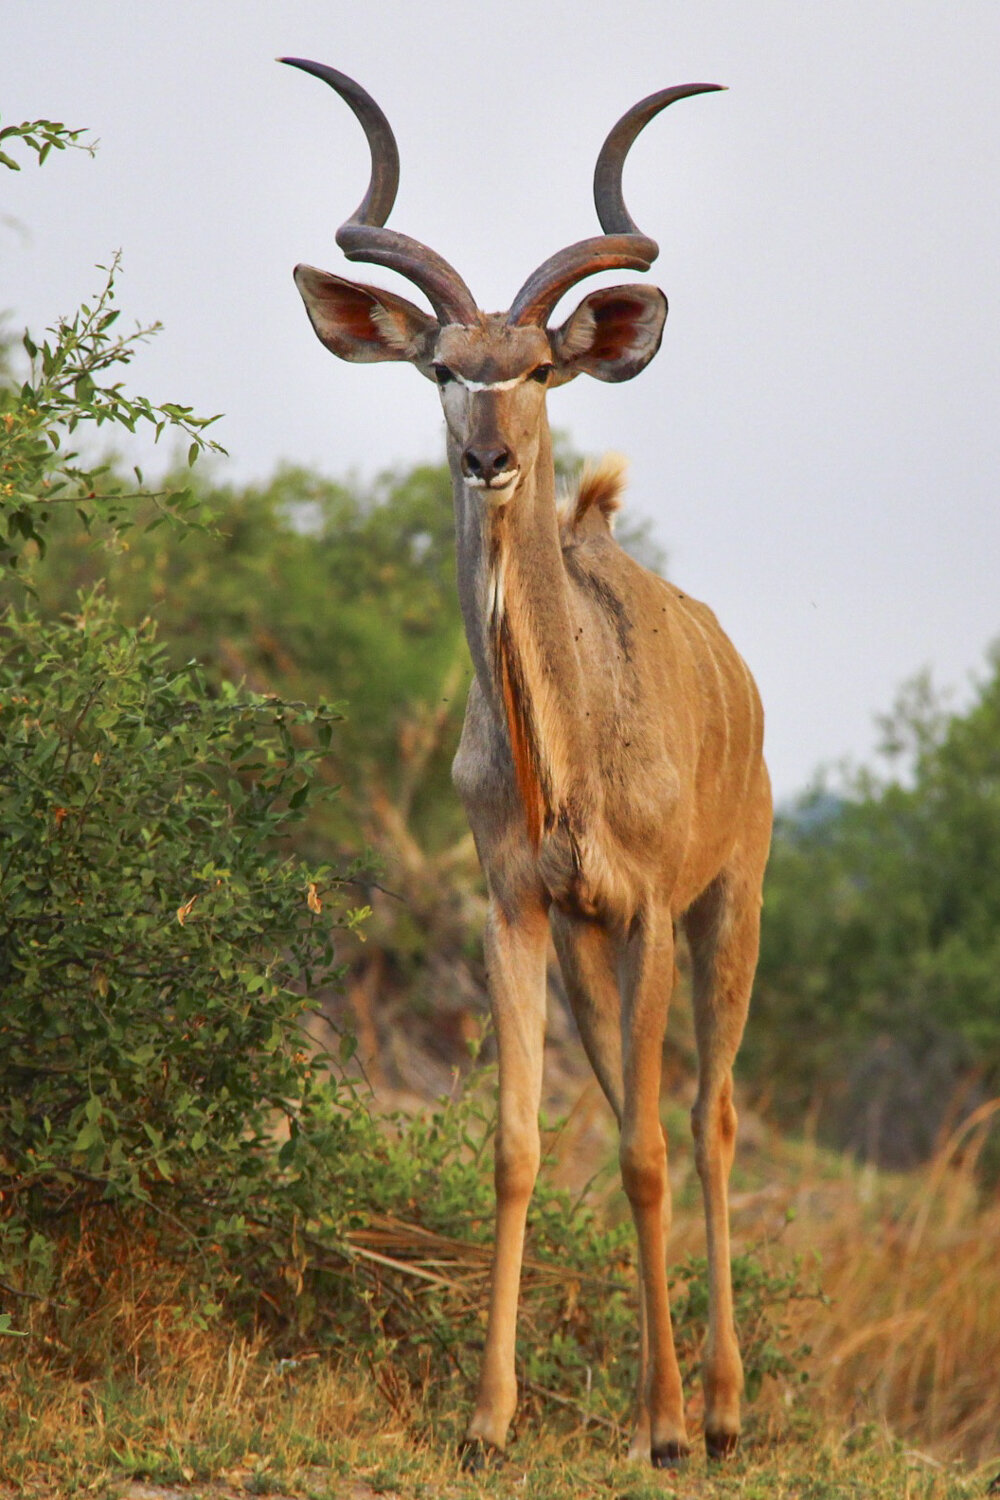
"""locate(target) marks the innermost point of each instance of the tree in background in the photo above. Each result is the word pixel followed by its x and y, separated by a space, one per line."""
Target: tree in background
pixel 878 993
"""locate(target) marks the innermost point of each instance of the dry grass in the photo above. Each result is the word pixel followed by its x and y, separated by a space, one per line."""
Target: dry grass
pixel 907 1333
pixel 911 1338
pixel 902 1371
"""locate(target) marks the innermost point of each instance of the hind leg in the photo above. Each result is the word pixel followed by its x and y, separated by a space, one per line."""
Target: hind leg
pixel 647 976
pixel 588 959
pixel 723 930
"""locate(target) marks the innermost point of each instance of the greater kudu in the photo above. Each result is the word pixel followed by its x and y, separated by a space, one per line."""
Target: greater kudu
pixel 610 762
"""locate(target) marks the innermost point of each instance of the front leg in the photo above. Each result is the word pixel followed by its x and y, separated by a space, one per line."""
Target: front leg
pixel 516 947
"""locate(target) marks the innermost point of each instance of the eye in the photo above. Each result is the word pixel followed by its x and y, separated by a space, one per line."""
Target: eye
pixel 442 374
pixel 541 373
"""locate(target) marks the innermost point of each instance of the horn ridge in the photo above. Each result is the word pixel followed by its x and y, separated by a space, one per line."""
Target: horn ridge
pixel 608 196
pixel 623 244
pixel 376 206
pixel 554 277
pixel 363 236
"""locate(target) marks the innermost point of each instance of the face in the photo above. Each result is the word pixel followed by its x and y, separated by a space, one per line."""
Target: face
pixel 492 382
pixel 492 374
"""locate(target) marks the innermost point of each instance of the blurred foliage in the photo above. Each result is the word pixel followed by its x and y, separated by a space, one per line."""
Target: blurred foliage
pixel 304 583
pixel 878 994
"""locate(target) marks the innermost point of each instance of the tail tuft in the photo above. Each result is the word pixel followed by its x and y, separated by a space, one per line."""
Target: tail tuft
pixel 598 493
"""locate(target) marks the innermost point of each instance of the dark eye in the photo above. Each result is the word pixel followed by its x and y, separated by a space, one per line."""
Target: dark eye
pixel 541 373
pixel 442 374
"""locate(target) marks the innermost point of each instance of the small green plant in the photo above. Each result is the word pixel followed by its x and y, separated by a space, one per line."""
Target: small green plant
pixel 73 380
pixel 69 383
pixel 40 136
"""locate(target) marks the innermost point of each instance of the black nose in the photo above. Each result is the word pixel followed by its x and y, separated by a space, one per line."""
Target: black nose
pixel 486 463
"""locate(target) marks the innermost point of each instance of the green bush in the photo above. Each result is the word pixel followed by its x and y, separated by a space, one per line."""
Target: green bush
pixel 159 946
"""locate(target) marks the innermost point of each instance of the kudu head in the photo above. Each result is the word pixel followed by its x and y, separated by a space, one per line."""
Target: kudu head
pixel 492 369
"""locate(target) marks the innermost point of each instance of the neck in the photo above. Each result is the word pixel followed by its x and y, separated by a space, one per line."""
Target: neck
pixel 514 598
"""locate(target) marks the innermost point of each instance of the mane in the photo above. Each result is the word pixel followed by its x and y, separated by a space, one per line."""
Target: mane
pixel 521 726
pixel 523 737
pixel 597 496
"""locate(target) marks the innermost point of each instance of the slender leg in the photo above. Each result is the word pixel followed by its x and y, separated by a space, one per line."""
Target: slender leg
pixel 589 963
pixel 723 930
pixel 588 958
pixel 647 979
pixel 515 960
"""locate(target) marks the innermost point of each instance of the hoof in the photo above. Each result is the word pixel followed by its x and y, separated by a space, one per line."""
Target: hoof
pixel 670 1455
pixel 476 1456
pixel 721 1444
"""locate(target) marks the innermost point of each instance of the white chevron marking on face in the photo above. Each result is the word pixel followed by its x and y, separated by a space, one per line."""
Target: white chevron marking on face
pixel 490 385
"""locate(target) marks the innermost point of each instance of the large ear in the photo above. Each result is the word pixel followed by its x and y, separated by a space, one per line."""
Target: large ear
pixel 364 323
pixel 613 334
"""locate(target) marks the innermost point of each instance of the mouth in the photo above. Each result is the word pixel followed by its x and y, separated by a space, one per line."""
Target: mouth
pixel 499 488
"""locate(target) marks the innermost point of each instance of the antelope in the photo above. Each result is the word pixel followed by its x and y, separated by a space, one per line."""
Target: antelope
pixel 610 761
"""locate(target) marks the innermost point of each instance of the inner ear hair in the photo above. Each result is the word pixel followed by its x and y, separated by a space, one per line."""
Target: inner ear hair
pixel 577 335
pixel 363 323
pixel 393 327
pixel 612 334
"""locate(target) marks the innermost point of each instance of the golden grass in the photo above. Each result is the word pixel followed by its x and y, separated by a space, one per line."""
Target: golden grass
pixel 905 1336
pixel 911 1338
pixel 904 1353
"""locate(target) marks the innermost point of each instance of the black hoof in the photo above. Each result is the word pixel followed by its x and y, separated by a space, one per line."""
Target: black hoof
pixel 476 1456
pixel 721 1444
pixel 670 1455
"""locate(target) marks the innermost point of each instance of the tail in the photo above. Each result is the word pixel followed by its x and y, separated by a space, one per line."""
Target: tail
pixel 597 497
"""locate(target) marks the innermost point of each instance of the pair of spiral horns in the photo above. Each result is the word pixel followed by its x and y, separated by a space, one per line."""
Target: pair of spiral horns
pixel 622 245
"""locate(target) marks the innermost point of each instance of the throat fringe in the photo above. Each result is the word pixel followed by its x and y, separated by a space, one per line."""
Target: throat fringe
pixel 521 732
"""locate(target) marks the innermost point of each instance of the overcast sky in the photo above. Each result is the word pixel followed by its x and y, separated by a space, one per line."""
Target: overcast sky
pixel 817 443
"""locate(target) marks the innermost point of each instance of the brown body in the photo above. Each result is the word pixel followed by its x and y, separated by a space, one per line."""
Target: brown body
pixel 610 763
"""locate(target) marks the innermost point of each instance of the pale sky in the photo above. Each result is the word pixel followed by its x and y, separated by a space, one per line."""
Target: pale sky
pixel 817 442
